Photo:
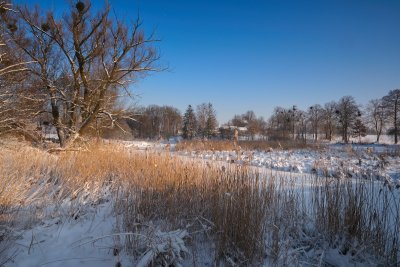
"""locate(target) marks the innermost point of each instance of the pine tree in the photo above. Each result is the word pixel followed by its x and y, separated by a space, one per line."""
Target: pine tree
pixel 211 122
pixel 189 123
pixel 359 130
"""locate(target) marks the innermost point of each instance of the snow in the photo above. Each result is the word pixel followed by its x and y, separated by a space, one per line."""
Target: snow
pixel 80 233
pixel 167 243
pixel 60 241
pixel 338 160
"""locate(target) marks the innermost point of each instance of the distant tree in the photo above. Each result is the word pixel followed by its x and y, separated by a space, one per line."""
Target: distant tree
pixel 226 131
pixel 172 119
pixel 249 116
pixel 391 103
pixel 262 127
pixel 201 117
pixel 211 122
pixel 280 123
pixel 347 112
pixel 328 119
pixel 189 123
pixel 156 121
pixel 375 112
pixel 359 129
pixel 255 126
pixel 238 121
pixel 154 115
pixel 206 120
pixel 292 118
pixel 302 125
pixel 252 125
pixel 315 115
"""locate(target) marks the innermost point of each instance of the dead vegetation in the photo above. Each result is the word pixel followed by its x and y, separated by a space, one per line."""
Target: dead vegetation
pixel 356 216
pixel 248 217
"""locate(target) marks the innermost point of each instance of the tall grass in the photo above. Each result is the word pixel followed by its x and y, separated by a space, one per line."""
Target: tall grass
pixel 359 215
pixel 248 217
pixel 230 205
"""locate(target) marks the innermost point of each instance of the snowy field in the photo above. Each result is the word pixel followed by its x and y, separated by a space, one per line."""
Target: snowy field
pixel 85 231
pixel 381 162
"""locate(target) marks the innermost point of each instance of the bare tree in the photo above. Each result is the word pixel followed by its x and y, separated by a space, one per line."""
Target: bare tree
pixel 206 119
pixel 315 115
pixel 328 119
pixel 201 116
pixel 375 112
pixel 302 125
pixel 347 112
pixel 18 104
pixel 172 121
pixel 280 123
pixel 391 103
pixel 84 62
pixel 155 121
pixel 237 121
pixel 253 124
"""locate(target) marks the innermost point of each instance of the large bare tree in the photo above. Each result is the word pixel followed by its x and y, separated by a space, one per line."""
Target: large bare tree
pixel 391 103
pixel 83 62
pixel 375 111
pixel 328 119
pixel 315 115
pixel 347 113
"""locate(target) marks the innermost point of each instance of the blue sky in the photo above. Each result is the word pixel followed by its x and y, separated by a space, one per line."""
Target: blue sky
pixel 255 55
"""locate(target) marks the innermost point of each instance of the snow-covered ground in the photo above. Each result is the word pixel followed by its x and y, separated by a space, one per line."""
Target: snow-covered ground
pixel 84 234
pixel 380 162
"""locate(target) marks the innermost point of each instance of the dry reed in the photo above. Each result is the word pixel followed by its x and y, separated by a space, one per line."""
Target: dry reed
pixel 248 217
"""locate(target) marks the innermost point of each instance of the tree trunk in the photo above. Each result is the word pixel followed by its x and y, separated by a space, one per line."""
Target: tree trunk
pixel 61 136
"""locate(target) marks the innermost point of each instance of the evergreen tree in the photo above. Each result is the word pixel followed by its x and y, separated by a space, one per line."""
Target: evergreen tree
pixel 359 130
pixel 211 122
pixel 189 123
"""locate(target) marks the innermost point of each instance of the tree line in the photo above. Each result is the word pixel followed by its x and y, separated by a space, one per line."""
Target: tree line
pixel 344 117
pixel 156 122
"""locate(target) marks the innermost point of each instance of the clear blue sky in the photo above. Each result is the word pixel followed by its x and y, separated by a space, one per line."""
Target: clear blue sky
pixel 242 55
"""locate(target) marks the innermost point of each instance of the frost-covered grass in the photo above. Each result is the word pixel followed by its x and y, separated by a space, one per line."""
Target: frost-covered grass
pixel 114 204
